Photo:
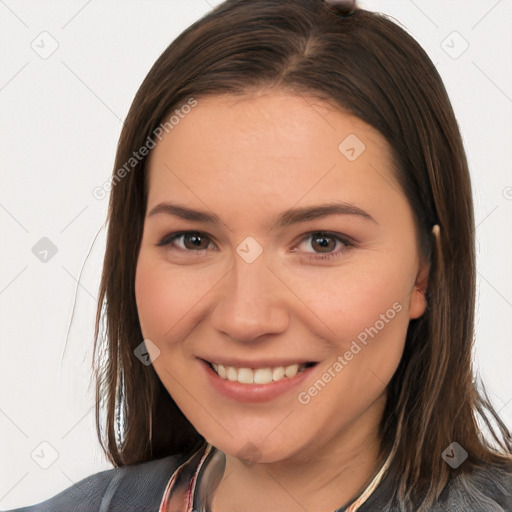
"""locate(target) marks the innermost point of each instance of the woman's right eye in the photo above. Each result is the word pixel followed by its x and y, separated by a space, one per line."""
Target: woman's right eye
pixel 190 241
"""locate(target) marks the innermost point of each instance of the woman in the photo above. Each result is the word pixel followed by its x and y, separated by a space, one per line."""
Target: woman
pixel 291 233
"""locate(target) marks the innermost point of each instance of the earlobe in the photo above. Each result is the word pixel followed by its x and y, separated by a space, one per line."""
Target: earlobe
pixel 418 303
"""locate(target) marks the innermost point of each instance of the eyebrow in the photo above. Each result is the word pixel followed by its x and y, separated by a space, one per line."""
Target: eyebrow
pixel 287 218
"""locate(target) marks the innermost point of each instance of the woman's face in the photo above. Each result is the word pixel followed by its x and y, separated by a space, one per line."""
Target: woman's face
pixel 259 285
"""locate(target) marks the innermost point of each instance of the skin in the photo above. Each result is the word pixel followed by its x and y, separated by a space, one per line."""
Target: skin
pixel 247 159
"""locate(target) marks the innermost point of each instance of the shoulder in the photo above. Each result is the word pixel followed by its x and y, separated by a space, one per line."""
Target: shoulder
pixel 487 488
pixel 137 487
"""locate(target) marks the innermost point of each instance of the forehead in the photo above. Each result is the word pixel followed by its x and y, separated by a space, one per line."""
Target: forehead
pixel 265 149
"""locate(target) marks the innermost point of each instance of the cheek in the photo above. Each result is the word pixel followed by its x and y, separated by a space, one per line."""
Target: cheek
pixel 365 309
pixel 158 303
pixel 169 297
pixel 368 321
pixel 353 299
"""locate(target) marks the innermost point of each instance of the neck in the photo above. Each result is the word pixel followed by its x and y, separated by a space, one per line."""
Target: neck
pixel 323 477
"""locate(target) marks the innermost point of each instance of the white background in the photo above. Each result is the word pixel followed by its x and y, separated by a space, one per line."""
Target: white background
pixel 60 121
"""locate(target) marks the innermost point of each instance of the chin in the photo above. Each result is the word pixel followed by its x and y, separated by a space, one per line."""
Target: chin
pixel 254 451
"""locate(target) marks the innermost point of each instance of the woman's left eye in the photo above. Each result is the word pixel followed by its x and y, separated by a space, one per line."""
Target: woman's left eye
pixel 324 241
pixel 195 241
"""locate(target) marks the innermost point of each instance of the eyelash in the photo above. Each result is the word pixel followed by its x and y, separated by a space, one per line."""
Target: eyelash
pixel 347 243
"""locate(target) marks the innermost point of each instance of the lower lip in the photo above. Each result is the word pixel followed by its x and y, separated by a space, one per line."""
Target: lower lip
pixel 254 393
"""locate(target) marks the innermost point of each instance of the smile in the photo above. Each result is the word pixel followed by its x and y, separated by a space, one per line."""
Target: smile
pixel 258 375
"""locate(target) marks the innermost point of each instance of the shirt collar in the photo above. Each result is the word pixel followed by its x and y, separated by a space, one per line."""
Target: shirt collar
pixel 192 483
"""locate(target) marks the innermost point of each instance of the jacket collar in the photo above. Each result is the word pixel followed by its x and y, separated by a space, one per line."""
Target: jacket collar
pixel 192 482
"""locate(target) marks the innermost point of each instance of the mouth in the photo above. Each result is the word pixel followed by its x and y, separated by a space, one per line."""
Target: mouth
pixel 263 375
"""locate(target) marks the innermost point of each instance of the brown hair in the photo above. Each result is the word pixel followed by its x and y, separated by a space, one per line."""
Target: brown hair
pixel 370 67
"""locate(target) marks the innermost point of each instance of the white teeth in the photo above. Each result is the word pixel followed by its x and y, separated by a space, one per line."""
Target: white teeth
pixel 221 370
pixel 262 376
pixel 245 375
pixel 259 375
pixel 291 371
pixel 278 373
pixel 231 373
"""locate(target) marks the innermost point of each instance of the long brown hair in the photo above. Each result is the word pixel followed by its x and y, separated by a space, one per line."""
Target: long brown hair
pixel 371 68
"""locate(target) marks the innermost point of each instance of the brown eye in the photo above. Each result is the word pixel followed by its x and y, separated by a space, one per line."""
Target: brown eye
pixel 195 241
pixel 324 243
pixel 190 241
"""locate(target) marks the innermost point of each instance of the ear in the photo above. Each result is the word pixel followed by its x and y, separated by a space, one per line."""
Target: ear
pixel 418 302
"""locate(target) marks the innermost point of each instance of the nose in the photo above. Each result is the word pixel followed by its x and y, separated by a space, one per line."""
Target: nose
pixel 250 302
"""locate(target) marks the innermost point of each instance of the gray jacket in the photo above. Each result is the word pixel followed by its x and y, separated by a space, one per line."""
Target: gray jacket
pixel 140 488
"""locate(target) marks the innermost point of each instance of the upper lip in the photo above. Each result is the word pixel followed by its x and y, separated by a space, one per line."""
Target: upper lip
pixel 259 363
